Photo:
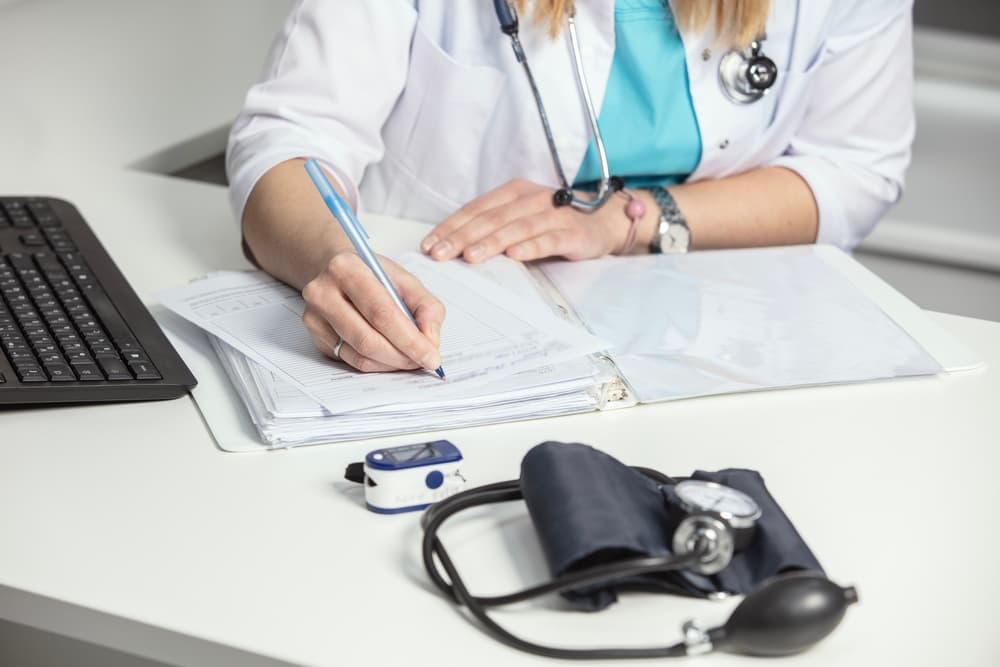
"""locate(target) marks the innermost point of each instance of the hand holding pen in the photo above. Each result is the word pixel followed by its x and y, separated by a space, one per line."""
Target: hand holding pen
pixel 369 313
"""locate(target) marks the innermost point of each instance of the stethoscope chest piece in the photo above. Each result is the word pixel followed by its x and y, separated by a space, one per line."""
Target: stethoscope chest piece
pixel 747 78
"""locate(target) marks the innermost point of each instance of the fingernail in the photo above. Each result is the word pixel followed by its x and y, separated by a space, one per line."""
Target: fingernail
pixel 428 243
pixel 431 360
pixel 476 251
pixel 441 249
pixel 515 252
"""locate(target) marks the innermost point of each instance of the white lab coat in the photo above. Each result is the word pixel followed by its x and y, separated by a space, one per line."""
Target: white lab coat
pixel 424 109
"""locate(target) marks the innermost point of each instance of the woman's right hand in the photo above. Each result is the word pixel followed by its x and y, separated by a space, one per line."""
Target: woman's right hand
pixel 346 302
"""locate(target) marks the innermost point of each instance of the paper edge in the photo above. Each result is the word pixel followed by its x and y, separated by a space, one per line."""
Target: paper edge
pixel 950 353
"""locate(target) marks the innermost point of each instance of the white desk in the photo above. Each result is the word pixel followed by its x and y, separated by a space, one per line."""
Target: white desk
pixel 123 525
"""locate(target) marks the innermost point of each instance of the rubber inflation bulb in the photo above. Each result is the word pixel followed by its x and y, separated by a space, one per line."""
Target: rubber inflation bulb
pixel 785 615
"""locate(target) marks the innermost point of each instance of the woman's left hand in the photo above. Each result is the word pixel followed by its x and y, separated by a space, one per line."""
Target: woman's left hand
pixel 520 220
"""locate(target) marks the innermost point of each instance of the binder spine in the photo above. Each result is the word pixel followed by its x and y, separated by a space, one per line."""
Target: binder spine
pixel 611 391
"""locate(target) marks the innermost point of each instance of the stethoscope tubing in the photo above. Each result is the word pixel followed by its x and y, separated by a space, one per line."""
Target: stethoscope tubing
pixel 608 184
pixel 564 195
pixel 604 187
pixel 432 549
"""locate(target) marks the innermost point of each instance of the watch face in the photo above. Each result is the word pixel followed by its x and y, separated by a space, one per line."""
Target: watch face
pixel 698 496
pixel 676 239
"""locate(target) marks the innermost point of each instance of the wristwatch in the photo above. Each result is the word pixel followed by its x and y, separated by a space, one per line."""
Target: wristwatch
pixel 672 233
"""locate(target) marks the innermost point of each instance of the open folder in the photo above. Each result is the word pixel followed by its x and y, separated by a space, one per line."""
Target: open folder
pixel 565 337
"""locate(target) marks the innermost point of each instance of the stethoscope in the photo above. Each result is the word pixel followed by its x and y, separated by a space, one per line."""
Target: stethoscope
pixel 745 77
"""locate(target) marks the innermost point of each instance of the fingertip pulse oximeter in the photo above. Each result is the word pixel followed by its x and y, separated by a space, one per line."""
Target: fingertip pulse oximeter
pixel 411 477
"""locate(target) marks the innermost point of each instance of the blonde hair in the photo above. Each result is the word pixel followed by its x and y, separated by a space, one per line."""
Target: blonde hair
pixel 737 22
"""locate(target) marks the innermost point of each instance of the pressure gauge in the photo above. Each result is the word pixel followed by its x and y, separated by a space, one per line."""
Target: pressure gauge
pixel 715 519
pixel 699 497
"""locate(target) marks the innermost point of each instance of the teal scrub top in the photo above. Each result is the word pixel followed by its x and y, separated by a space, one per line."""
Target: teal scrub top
pixel 647 117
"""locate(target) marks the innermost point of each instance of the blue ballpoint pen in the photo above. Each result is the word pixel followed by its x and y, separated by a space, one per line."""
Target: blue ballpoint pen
pixel 357 234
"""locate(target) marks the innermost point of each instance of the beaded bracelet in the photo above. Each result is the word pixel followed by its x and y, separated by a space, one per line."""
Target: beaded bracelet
pixel 635 208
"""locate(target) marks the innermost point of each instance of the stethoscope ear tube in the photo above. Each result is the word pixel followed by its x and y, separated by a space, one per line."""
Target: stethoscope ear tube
pixel 506 16
pixel 564 196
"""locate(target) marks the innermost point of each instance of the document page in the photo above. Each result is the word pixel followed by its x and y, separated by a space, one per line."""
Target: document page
pixel 485 336
pixel 285 417
pixel 725 321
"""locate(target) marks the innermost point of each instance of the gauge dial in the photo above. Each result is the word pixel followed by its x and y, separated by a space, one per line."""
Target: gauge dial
pixel 735 506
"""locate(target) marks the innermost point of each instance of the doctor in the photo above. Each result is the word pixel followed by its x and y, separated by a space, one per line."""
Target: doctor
pixel 422 111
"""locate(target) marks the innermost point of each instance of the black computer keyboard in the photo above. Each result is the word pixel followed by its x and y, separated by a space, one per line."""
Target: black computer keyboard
pixel 72 330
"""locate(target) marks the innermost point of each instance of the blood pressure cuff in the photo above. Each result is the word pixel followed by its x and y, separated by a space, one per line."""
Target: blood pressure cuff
pixel 588 509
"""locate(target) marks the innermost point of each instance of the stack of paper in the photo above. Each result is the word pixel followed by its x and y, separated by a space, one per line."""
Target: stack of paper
pixel 702 324
pixel 507 357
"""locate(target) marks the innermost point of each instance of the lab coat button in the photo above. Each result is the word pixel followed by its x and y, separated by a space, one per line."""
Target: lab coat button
pixel 706 54
pixel 724 144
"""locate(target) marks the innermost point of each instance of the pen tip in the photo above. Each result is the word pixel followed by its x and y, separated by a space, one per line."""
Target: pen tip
pixel 440 372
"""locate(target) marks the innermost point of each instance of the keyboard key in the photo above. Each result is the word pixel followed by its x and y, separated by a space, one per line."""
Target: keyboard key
pixel 103 350
pixel 31 374
pixel 88 372
pixel 14 344
pixel 39 208
pixel 47 221
pixel 79 357
pixel 24 363
pixel 71 347
pixel 59 372
pixel 125 344
pixel 50 312
pixel 12 206
pixel 114 368
pixel 35 330
pixel 32 239
pixel 15 355
pixel 47 348
pixel 143 370
pixel 109 316
pixel 134 355
pixel 21 263
pixel 47 261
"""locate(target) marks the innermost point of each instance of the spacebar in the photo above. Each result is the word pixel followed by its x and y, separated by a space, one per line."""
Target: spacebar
pixel 106 312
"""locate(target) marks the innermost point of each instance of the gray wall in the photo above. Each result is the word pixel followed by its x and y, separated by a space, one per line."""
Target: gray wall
pixel 981 17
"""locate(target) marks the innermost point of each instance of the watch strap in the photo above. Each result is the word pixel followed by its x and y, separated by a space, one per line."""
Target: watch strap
pixel 670 215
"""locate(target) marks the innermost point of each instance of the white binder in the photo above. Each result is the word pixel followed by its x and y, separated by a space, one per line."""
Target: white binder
pixel 643 306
